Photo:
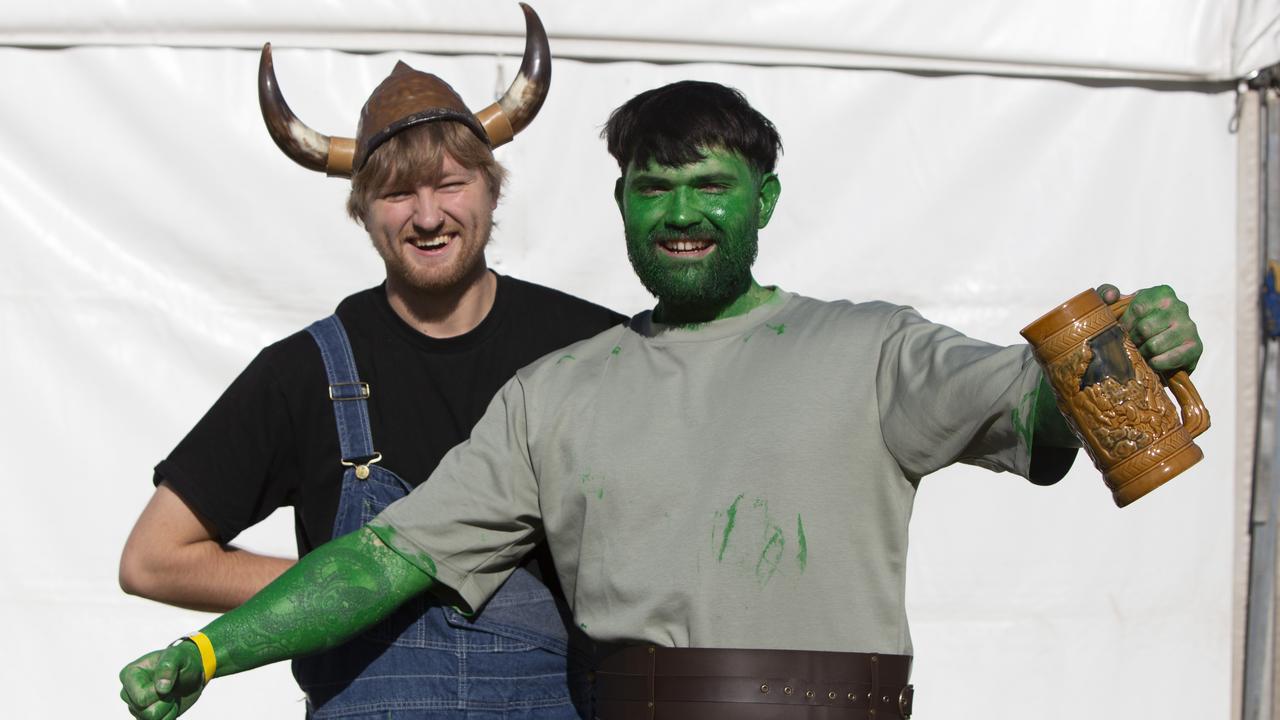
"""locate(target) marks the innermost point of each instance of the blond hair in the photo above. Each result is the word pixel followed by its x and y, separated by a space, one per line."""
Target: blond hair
pixel 416 156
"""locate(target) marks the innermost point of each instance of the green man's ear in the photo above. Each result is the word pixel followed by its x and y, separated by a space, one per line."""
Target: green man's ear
pixel 617 194
pixel 770 189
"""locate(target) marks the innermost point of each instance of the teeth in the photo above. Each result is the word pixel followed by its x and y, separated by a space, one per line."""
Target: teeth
pixel 686 245
pixel 431 243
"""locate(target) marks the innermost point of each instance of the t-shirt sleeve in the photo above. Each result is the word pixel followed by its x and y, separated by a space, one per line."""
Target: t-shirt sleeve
pixel 477 515
pixel 234 467
pixel 946 398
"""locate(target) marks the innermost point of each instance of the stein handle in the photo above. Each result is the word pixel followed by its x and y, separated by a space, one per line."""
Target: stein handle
pixel 1195 416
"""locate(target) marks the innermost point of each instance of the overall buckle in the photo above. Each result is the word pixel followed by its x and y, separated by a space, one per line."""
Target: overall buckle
pixel 337 391
pixel 362 469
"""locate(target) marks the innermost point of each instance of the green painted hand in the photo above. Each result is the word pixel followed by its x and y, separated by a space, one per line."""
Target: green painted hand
pixel 161 685
pixel 333 593
pixel 1160 325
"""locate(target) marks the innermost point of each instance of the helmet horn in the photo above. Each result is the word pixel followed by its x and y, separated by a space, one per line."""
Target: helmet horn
pixel 406 98
pixel 310 149
pixel 522 101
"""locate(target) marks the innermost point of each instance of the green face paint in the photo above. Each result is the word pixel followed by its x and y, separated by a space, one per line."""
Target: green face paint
pixel 692 233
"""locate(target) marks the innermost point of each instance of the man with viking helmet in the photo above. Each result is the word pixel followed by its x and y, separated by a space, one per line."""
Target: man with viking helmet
pixel 345 417
pixel 725 482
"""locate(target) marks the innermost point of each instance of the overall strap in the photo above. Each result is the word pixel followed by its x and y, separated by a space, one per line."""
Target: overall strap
pixel 349 394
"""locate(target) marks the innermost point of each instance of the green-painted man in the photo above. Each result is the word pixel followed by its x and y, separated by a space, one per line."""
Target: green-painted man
pixel 725 483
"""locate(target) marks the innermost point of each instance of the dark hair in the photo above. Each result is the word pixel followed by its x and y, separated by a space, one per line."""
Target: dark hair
pixel 416 156
pixel 673 124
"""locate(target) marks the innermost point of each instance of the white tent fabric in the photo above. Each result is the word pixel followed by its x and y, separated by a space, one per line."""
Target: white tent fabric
pixel 1255 41
pixel 1153 39
pixel 156 239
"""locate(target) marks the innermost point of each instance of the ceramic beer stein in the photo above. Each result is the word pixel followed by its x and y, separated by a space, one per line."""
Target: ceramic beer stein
pixel 1113 401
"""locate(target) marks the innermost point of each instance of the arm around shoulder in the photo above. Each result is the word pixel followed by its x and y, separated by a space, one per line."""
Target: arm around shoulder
pixel 172 556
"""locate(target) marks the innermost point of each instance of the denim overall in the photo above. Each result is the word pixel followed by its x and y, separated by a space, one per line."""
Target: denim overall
pixel 427 661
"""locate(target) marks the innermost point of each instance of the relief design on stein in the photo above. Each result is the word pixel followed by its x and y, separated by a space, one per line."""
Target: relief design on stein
pixel 1115 400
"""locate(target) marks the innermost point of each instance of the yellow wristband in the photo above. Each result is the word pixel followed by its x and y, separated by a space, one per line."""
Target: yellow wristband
pixel 207 657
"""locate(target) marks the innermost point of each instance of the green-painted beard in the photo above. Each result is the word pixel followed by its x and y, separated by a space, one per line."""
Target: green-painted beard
pixel 710 283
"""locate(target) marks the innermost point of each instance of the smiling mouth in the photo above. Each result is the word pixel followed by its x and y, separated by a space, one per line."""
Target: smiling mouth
pixel 687 247
pixel 435 242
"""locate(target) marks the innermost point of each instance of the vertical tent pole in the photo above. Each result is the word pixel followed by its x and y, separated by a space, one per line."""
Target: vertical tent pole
pixel 1261 629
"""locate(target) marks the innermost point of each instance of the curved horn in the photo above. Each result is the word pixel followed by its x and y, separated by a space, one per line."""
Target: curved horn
pixel 310 149
pixel 522 101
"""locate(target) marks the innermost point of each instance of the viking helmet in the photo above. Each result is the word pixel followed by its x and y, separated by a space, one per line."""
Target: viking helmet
pixel 408 97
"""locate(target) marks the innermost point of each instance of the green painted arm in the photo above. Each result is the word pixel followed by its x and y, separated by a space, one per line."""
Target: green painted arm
pixel 1159 324
pixel 1051 429
pixel 331 595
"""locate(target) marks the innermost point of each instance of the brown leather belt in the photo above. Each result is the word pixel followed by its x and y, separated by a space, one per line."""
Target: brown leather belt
pixel 661 683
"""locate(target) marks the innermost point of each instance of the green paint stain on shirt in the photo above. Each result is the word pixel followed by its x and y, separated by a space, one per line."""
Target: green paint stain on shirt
pixel 802 557
pixel 778 329
pixel 731 515
pixel 616 349
pixel 1023 416
pixel 565 357
pixel 425 563
pixel 770 555
pixel 592 484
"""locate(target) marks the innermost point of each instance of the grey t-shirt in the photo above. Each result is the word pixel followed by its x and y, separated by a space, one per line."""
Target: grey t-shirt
pixel 745 483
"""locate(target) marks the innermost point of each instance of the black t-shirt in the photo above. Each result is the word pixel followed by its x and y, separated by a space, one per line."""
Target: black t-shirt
pixel 271 439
